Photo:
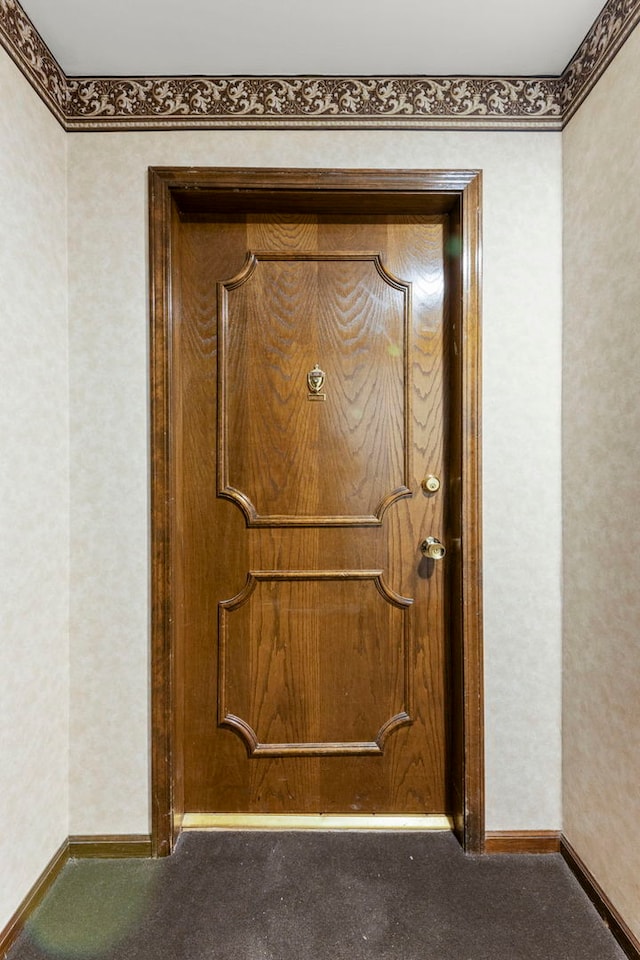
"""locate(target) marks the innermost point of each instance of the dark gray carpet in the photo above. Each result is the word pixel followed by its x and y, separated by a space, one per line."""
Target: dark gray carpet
pixel 336 896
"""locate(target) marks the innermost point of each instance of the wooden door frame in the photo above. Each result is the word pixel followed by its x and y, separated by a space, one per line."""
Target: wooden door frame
pixel 189 191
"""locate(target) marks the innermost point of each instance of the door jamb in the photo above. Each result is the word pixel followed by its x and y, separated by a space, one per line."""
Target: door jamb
pixel 174 191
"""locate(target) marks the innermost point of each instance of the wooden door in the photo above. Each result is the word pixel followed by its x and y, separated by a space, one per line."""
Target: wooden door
pixel 312 377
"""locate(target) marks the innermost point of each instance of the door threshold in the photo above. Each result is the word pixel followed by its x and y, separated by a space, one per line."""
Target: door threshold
pixel 277 821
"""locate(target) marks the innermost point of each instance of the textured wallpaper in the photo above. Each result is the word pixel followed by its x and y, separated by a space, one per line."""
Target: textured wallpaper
pixel 74 430
pixel 34 502
pixel 102 400
pixel 109 429
pixel 602 483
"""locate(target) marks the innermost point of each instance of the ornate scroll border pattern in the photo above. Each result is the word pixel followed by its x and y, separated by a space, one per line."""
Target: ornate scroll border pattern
pixel 512 103
pixel 327 101
pixel 606 37
pixel 32 56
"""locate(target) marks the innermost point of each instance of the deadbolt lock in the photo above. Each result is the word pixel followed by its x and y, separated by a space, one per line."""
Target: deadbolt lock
pixel 431 484
pixel 432 548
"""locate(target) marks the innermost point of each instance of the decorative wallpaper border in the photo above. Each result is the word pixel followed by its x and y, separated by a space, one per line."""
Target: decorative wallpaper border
pixel 26 47
pixel 322 101
pixel 615 24
pixel 486 103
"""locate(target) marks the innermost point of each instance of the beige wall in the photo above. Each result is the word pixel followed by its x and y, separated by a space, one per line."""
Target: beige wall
pixel 34 498
pixel 522 370
pixel 107 351
pixel 601 423
pixel 96 368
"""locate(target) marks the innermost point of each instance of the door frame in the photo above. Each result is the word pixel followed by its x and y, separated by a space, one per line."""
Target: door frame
pixel 176 192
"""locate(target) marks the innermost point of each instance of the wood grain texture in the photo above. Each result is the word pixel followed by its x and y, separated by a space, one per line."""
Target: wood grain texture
pixel 358 323
pixel 110 846
pixel 411 219
pixel 165 766
pixel 465 517
pixel 297 698
pixel 522 841
pixel 286 462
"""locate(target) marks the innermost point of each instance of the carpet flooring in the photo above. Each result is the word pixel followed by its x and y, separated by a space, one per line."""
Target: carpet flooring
pixel 311 896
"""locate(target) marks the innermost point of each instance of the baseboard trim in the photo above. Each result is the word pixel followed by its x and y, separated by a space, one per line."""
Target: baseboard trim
pixel 627 940
pixel 110 846
pixel 522 841
pixel 16 924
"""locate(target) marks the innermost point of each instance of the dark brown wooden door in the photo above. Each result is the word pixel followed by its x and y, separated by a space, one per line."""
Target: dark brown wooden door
pixel 310 389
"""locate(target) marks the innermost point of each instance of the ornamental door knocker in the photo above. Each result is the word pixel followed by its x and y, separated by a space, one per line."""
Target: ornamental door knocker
pixel 315 382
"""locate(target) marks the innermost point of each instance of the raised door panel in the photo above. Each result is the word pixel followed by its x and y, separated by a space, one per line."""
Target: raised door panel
pixel 313 398
pixel 281 685
pixel 305 593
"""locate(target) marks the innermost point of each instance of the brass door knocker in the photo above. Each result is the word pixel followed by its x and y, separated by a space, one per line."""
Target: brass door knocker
pixel 315 383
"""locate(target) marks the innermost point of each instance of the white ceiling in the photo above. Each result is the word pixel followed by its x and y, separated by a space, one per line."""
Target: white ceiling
pixel 331 37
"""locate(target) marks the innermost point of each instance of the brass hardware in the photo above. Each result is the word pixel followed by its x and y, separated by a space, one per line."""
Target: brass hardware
pixel 315 382
pixel 432 548
pixel 431 484
pixel 306 821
